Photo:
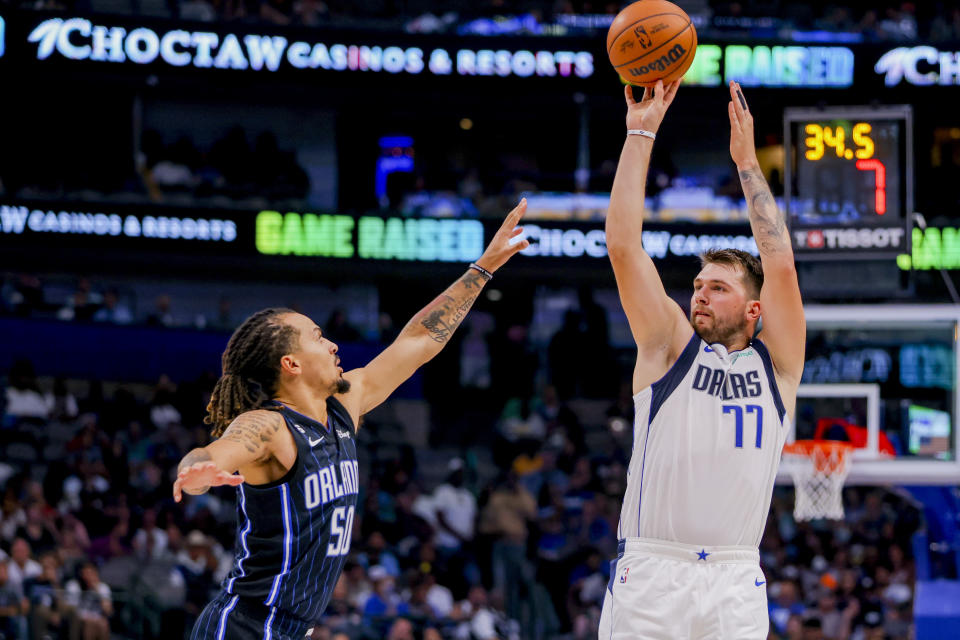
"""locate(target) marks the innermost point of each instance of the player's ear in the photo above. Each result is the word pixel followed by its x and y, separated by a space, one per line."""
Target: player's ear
pixel 753 310
pixel 290 364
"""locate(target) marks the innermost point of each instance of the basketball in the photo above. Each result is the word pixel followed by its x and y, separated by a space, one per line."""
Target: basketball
pixel 651 40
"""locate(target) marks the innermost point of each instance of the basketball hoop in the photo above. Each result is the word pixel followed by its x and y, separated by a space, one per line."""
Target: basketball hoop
pixel 819 469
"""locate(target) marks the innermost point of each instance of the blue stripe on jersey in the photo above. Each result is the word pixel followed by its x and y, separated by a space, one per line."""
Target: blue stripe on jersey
pixel 662 388
pixel 243 539
pixel 267 630
pixel 222 627
pixel 768 367
pixel 287 535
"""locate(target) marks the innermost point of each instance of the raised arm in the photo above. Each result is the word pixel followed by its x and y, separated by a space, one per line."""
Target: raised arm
pixel 784 326
pixel 652 315
pixel 246 441
pixel 427 333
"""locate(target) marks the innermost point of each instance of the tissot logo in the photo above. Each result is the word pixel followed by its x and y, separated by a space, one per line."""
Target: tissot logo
pixel 921 66
pixel 827 239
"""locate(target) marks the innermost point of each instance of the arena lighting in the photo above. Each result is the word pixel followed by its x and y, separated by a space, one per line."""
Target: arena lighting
pixel 903 63
pixel 80 39
pixel 778 66
pixel 574 243
pixel 2 35
pixel 332 236
pixel 22 220
pixel 933 248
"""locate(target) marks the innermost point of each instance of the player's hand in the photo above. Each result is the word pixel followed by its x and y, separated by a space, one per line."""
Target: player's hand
pixel 199 477
pixel 742 148
pixel 506 241
pixel 648 113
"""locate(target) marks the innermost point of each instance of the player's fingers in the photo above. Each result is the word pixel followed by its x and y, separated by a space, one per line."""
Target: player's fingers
pixel 628 94
pixel 734 121
pixel 230 479
pixel 736 98
pixel 658 91
pixel 177 491
pixel 742 99
pixel 517 231
pixel 516 214
pixel 672 91
pixel 646 94
pixel 519 246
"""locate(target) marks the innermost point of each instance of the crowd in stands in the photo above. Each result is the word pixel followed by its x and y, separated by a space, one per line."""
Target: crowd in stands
pixel 885 21
pixel 505 534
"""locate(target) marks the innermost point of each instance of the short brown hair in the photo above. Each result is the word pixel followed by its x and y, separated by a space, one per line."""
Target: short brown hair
pixel 747 263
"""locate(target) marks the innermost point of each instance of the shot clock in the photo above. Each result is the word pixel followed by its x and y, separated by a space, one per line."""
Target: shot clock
pixel 848 183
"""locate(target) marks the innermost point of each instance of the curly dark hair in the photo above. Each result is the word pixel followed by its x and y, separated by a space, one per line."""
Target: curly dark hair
pixel 251 367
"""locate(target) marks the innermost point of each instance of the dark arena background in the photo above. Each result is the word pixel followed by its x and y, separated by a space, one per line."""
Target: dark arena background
pixel 168 167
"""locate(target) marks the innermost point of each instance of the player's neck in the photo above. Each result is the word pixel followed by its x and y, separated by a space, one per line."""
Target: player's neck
pixel 304 401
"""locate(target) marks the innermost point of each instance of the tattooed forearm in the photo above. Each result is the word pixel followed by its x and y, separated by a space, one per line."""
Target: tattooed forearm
pixel 768 223
pixel 195 456
pixel 253 430
pixel 441 317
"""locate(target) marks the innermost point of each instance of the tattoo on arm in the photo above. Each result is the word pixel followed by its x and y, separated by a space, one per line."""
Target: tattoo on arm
pixel 253 430
pixel 195 456
pixel 442 316
pixel 768 223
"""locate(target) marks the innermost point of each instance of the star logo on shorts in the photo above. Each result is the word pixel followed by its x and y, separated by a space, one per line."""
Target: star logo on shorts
pixel 702 554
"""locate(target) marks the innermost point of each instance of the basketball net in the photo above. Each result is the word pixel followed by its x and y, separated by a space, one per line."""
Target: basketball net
pixel 819 469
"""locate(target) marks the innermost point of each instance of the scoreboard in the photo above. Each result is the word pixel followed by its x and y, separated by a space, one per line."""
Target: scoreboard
pixel 848 181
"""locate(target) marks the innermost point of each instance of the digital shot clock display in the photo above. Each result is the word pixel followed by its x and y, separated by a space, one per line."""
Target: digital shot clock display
pixel 848 181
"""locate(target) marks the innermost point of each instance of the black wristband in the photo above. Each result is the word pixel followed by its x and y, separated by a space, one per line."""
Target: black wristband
pixel 486 274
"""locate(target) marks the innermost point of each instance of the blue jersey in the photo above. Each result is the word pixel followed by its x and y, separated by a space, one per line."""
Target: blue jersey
pixel 293 535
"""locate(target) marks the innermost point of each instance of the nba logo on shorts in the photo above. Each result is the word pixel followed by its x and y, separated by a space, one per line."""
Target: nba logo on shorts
pixel 623 575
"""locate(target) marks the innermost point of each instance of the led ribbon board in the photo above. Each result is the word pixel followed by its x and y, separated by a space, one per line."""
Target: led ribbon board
pixel 849 181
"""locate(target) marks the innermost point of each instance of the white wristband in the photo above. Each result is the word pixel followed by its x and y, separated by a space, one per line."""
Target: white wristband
pixel 642 132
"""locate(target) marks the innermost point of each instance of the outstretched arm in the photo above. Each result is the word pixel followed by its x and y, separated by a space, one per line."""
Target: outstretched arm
pixel 784 326
pixel 428 331
pixel 247 440
pixel 652 315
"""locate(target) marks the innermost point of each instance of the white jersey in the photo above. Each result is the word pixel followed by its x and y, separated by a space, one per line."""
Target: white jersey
pixel 707 439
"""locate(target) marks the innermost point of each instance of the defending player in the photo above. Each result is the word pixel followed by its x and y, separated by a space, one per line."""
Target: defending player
pixel 284 416
pixel 711 406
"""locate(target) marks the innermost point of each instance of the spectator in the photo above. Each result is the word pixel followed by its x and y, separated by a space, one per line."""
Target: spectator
pixel 163 413
pixel 13 606
pixel 198 564
pixel 93 603
pixel 401 629
pixel 113 310
pixel 61 404
pixel 161 315
pixel 505 518
pixel 455 510
pixel 150 541
pixel 38 531
pixel 48 610
pixel 24 399
pixel 22 565
pixel 785 604
pixel 384 601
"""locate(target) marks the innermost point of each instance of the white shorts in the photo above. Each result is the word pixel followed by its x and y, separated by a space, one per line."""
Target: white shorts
pixel 671 591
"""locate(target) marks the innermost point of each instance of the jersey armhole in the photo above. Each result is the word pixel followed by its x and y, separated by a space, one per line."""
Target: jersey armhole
pixel 771 377
pixel 336 407
pixel 662 388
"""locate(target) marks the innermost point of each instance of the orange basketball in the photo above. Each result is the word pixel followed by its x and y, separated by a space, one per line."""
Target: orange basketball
pixel 651 40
